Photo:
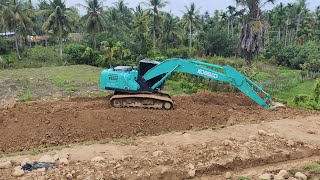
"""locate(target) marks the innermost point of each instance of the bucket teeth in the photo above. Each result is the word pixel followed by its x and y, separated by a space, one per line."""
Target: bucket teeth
pixel 147 101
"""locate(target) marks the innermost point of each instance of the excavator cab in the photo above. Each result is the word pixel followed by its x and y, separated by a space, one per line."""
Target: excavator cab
pixel 144 66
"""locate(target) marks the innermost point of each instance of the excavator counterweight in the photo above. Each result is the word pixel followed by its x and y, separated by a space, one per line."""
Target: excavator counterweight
pixel 142 87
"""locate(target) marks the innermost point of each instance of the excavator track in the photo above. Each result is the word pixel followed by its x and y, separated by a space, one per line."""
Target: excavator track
pixel 147 101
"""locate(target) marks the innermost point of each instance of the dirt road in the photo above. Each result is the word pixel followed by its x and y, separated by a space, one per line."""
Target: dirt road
pixel 242 149
pixel 25 126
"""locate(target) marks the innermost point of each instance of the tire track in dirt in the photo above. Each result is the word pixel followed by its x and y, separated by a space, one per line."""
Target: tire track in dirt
pixel 26 126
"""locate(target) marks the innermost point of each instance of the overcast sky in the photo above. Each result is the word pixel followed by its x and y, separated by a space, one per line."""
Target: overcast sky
pixel 176 6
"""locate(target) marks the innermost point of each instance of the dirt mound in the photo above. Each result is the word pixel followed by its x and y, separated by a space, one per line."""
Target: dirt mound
pixel 39 124
pixel 225 99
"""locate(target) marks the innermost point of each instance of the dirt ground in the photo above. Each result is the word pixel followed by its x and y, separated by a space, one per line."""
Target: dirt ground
pixel 206 135
pixel 25 126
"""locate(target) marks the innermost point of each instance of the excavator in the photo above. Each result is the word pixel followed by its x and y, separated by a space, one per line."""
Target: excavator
pixel 141 87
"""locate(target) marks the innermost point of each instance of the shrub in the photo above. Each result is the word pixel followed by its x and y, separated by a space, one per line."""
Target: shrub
pixel 300 98
pixel 74 52
pixel 177 52
pixel 43 54
pixel 305 57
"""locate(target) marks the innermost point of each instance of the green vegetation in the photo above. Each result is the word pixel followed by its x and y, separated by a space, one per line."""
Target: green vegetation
pixel 282 55
pixel 25 97
pixel 313 168
pixel 243 178
pixel 58 75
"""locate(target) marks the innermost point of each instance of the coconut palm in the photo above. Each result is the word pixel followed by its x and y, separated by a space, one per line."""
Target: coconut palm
pixel 141 24
pixel 190 20
pixel 60 20
pixel 94 18
pixel 154 7
pixel 172 34
pixel 14 18
pixel 252 29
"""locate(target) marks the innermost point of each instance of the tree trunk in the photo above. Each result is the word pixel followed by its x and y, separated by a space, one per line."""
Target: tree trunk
pixel 228 28
pixel 17 46
pixel 94 41
pixel 190 40
pixel 154 31
pixel 286 36
pixel 279 34
pixel 231 27
pixel 298 25
pixel 60 44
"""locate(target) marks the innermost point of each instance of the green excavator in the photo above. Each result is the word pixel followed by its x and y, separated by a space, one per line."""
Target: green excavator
pixel 141 87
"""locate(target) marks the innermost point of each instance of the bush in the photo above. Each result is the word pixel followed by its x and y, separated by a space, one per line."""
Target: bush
pixel 74 53
pixel 177 52
pixel 42 54
pixel 90 57
pixel 305 57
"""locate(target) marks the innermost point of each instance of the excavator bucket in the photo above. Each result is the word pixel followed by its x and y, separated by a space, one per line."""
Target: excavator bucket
pixel 249 88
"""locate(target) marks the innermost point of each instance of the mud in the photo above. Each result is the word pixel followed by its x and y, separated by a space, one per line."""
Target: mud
pixel 26 126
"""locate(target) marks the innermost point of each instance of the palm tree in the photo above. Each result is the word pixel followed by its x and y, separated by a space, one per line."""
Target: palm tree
pixel 191 20
pixel 252 29
pixel 125 12
pixel 141 24
pixel 14 18
pixel 1 18
pixel 232 14
pixel 60 19
pixel 154 7
pixel 95 19
pixel 172 34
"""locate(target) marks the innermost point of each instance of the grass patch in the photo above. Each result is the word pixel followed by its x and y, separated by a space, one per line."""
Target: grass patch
pixel 243 178
pixel 295 170
pixel 25 97
pixel 58 75
pixel 302 88
pixel 33 151
pixel 313 168
pixel 125 141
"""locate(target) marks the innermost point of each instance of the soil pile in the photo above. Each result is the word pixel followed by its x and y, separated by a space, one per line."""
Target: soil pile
pixel 39 124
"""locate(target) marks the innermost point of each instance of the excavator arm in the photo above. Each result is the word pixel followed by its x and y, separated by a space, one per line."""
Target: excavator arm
pixel 225 74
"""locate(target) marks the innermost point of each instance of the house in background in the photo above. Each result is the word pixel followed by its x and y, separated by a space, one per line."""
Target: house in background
pixel 8 34
pixel 38 39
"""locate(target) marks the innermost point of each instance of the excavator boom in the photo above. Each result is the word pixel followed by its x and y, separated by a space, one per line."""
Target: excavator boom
pixel 137 85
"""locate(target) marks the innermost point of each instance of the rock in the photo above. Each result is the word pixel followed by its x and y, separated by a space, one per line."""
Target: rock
pixel 278 177
pixel 266 176
pixel 25 161
pixel 5 165
pixel 290 143
pixel 56 157
pixel 284 174
pixel 292 178
pixel 191 166
pixel 262 132
pixel 47 158
pixel 18 172
pixel 64 161
pixel 41 170
pixel 164 169
pixel 69 176
pixel 252 138
pixel 192 172
pixel 227 142
pixel 157 153
pixel 228 175
pixel 97 159
pixel 299 175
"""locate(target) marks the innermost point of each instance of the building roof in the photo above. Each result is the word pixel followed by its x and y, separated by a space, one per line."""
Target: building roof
pixel 7 33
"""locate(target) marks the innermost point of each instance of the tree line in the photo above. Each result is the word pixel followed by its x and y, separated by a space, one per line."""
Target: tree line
pixel 124 33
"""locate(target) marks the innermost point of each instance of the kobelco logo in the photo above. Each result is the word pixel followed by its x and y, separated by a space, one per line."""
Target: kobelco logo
pixel 207 73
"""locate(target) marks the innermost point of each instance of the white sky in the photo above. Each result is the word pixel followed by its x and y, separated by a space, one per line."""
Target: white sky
pixel 176 6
